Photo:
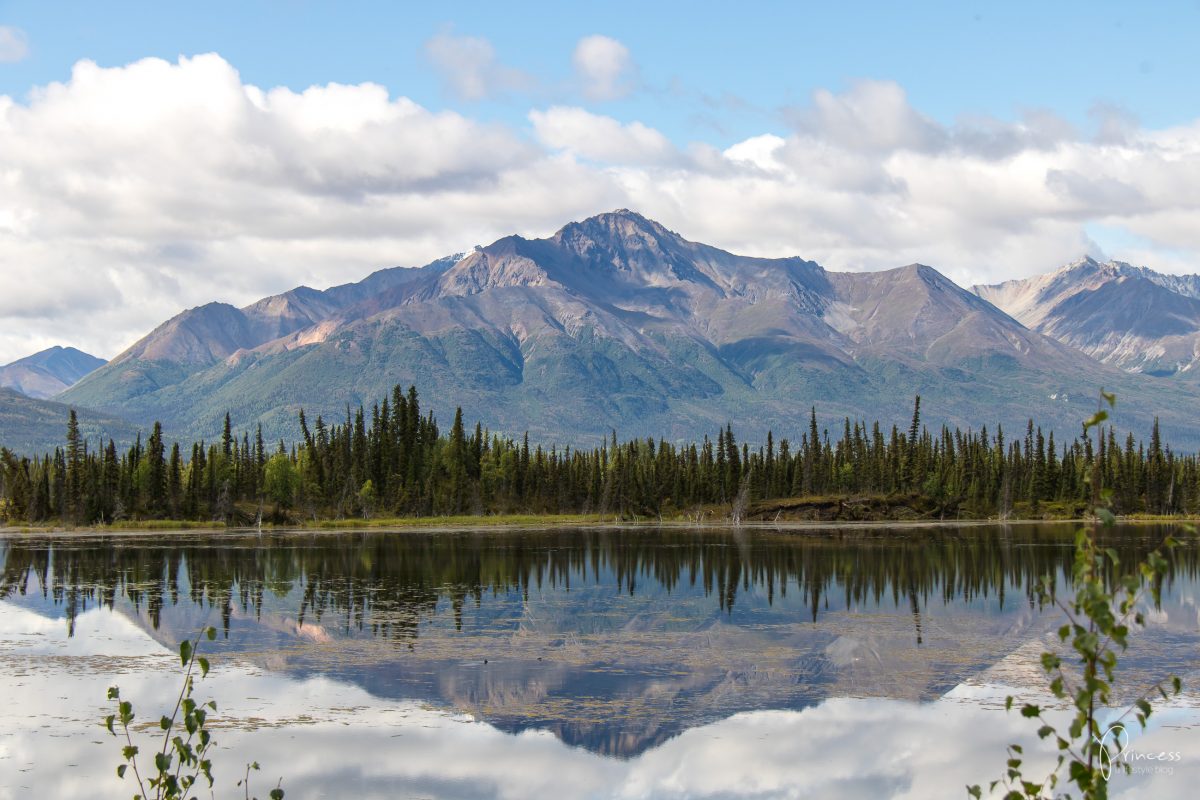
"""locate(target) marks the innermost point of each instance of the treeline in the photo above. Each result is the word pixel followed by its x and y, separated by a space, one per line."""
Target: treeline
pixel 395 460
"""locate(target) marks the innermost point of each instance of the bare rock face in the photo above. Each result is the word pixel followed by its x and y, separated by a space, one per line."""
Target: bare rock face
pixel 1131 317
pixel 616 322
pixel 49 372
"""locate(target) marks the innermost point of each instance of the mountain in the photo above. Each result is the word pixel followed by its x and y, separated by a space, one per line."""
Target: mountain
pixel 617 322
pixel 1130 317
pixel 49 372
pixel 203 337
pixel 32 426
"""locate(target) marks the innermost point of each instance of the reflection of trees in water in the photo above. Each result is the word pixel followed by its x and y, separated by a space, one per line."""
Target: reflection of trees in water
pixel 388 583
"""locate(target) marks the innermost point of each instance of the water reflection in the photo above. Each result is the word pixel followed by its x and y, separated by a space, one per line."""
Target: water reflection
pixel 391 582
pixel 613 640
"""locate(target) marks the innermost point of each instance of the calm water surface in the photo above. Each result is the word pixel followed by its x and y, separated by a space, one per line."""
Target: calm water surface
pixel 588 663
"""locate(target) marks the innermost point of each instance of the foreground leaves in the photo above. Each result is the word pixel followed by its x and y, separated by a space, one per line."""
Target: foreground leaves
pixel 1098 623
pixel 182 758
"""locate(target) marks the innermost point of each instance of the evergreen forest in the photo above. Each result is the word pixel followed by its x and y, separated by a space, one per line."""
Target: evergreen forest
pixel 394 460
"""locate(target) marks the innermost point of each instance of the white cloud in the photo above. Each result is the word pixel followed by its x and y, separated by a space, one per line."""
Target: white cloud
pixel 604 67
pixel 600 138
pixel 759 151
pixel 469 67
pixel 130 193
pixel 14 44
pixel 873 116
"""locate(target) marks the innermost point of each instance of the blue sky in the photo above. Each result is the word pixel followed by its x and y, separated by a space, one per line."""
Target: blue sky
pixel 156 156
pixel 712 71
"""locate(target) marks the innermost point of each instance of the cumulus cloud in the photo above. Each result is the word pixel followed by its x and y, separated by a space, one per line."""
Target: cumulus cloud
pixel 600 138
pixel 873 116
pixel 129 193
pixel 470 69
pixel 14 45
pixel 132 192
pixel 604 67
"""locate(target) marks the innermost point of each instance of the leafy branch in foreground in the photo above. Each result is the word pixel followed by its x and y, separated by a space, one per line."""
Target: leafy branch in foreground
pixel 1098 623
pixel 181 760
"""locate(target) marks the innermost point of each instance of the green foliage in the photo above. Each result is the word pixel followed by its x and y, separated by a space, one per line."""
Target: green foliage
pixel 367 498
pixel 279 480
pixel 1099 620
pixel 393 460
pixel 182 758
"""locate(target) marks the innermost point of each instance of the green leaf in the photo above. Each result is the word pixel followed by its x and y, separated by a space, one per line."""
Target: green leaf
pixel 185 652
pixel 1030 710
pixel 211 633
pixel 1110 398
pixel 165 723
pixel 203 662
pixel 121 770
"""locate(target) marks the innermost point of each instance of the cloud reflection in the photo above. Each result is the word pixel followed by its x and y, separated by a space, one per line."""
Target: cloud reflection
pixel 334 739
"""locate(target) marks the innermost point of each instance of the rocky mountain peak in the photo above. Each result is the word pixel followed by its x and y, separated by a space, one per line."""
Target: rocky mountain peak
pixel 1129 316
pixel 501 264
pixel 1083 262
pixel 629 244
pixel 622 225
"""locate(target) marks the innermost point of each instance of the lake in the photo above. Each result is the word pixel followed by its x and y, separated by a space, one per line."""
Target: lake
pixel 858 662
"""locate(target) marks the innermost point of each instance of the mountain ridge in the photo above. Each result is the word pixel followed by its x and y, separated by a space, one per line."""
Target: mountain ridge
pixel 48 372
pixel 33 426
pixel 1130 317
pixel 617 322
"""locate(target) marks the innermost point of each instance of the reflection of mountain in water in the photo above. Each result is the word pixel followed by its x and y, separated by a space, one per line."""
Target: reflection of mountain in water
pixel 613 639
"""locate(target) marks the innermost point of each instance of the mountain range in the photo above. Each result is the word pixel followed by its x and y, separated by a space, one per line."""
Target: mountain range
pixel 45 374
pixel 616 322
pixel 1130 317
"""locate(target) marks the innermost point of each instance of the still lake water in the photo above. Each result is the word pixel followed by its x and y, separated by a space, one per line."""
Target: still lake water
pixel 568 663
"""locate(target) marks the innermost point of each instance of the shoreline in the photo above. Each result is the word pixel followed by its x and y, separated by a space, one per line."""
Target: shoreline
pixel 520 522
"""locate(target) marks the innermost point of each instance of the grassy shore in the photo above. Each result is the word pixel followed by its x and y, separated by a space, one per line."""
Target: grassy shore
pixel 791 512
pixel 464 521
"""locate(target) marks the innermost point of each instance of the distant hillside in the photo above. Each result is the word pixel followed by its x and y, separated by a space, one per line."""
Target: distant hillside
pixel 617 322
pixel 49 372
pixel 31 426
